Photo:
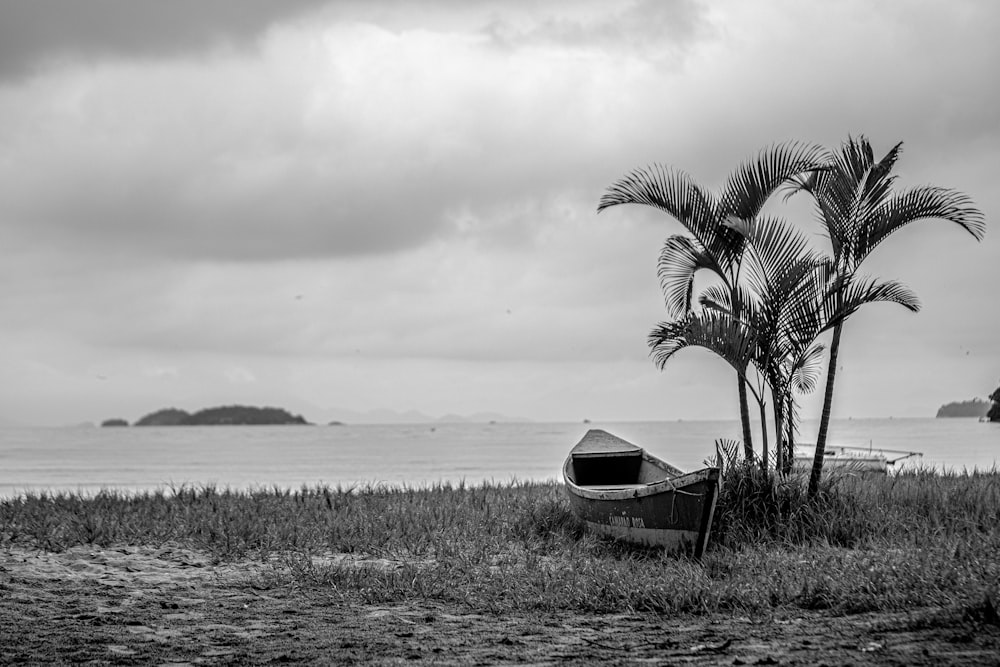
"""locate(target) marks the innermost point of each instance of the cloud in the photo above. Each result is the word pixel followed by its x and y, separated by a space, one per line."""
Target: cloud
pixel 41 33
pixel 894 72
pixel 240 375
pixel 386 142
pixel 652 29
pixel 390 204
pixel 469 298
pixel 377 128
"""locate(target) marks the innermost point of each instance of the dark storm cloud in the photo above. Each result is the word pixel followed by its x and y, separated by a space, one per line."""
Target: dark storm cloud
pixel 34 33
pixel 348 139
pixel 289 217
pixel 351 137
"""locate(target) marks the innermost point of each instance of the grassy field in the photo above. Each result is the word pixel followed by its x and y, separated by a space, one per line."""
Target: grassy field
pixel 866 544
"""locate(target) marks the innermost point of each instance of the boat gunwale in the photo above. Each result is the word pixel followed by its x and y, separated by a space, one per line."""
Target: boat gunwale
pixel 669 485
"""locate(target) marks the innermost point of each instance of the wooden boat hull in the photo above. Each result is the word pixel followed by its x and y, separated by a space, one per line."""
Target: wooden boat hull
pixel 841 457
pixel 876 465
pixel 632 496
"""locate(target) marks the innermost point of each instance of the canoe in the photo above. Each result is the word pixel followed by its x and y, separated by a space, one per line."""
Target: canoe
pixel 622 491
pixel 850 459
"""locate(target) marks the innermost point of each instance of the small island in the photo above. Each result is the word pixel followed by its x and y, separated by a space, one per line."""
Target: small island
pixel 114 422
pixel 230 415
pixel 976 407
pixel 994 414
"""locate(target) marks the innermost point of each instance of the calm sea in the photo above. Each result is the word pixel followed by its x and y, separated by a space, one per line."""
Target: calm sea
pixel 87 459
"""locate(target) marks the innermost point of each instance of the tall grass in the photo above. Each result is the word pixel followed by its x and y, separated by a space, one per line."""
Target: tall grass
pixel 854 509
pixel 234 524
pixel 865 543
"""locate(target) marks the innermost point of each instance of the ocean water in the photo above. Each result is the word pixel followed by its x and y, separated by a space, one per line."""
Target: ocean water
pixel 87 459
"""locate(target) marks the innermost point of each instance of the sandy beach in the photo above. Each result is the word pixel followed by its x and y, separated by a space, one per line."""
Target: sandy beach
pixel 172 605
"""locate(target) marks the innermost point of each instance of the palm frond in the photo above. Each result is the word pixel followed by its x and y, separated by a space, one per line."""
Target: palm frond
pixel 718 298
pixel 803 315
pixel 680 259
pixel 920 203
pixel 740 303
pixel 884 166
pixel 776 243
pixel 671 191
pixel 831 196
pixel 880 180
pixel 777 261
pixel 756 180
pixel 851 292
pixel 805 182
pixel 808 369
pixel 851 185
pixel 711 330
pixel 859 208
pixel 855 158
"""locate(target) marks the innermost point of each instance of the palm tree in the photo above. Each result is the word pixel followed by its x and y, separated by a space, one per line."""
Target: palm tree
pixel 785 303
pixel 715 243
pixel 788 304
pixel 856 204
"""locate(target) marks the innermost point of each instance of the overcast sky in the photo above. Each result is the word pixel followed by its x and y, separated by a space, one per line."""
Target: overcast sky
pixel 385 204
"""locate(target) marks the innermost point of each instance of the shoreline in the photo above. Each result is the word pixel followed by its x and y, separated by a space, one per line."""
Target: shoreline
pixel 12 492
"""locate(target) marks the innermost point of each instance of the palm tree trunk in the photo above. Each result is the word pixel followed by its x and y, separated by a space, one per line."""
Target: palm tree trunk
pixel 779 433
pixel 824 422
pixel 763 433
pixel 790 441
pixel 745 417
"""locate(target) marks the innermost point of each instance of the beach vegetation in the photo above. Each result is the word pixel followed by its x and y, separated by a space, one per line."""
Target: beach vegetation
pixel 916 539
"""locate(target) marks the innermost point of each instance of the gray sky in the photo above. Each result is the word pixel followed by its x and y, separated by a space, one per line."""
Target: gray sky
pixel 392 205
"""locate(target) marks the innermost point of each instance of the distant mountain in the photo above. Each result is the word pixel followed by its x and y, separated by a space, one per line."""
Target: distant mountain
pixel 973 408
pixel 479 418
pixel 230 415
pixel 346 416
pixel 384 416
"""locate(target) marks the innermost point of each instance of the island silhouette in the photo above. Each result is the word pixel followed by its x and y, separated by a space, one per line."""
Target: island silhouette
pixel 228 415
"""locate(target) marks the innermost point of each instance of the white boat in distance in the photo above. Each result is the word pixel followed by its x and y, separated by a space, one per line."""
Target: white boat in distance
pixel 854 459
